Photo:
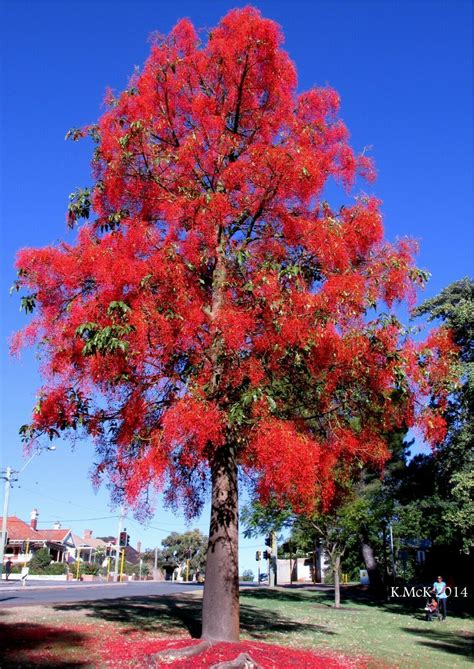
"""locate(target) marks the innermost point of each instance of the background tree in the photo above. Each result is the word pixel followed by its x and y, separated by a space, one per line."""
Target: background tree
pixel 441 483
pixel 180 548
pixel 372 511
pixel 215 310
pixel 461 514
pixel 454 306
pixel 429 497
pixel 248 575
pixel 333 531
pixel 99 555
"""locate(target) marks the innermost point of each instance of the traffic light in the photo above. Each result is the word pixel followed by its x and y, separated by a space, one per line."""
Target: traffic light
pixel 128 540
pixel 258 556
pixel 268 540
pixel 123 539
pixel 267 555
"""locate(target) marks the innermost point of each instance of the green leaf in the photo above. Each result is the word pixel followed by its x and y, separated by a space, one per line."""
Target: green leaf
pixel 271 403
pixel 118 306
pixel 86 330
pixel 79 206
pixel 242 256
pixel 28 303
pixel 136 126
pixel 145 280
pixel 75 134
pixel 123 141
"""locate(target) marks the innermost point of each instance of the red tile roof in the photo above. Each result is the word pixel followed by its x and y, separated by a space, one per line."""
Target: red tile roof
pixel 89 542
pixel 18 530
pixel 55 535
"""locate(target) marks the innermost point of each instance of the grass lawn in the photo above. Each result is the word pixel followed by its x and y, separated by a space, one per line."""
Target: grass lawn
pixel 392 634
pixel 371 634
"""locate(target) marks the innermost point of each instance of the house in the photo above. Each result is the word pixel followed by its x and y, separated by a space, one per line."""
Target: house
pixel 24 540
pixel 313 567
pixel 132 555
pixel 90 549
pixel 63 538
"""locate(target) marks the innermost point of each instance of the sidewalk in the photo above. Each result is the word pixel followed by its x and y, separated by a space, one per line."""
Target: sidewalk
pixel 13 586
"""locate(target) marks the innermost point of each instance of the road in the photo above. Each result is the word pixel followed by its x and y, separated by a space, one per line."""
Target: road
pixel 41 592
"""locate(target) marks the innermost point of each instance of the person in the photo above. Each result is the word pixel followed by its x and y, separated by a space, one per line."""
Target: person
pixel 431 609
pixel 8 568
pixel 439 588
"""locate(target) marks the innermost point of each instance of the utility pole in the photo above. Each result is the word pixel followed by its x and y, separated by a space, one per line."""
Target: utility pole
pixel 392 554
pixel 258 556
pixel 291 563
pixel 274 562
pixel 117 544
pixel 8 476
pixel 3 540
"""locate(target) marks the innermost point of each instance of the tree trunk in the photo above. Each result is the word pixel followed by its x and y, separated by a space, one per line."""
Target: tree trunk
pixel 337 584
pixel 220 607
pixel 371 565
pixel 385 569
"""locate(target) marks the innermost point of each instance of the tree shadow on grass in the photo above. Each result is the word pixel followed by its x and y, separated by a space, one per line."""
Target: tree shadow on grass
pixel 18 640
pixel 322 599
pixel 259 623
pixel 354 595
pixel 445 640
pixel 164 615
pixel 177 613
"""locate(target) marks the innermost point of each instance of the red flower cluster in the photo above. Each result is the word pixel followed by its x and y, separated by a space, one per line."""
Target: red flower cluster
pixel 213 297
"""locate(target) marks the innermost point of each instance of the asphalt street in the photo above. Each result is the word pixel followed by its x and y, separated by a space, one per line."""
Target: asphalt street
pixel 12 594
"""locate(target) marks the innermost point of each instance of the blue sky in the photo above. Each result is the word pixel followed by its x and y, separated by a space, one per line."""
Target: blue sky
pixel 403 71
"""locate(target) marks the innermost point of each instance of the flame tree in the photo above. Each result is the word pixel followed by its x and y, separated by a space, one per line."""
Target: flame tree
pixel 214 313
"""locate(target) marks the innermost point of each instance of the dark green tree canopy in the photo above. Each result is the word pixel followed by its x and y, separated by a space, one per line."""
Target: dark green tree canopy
pixel 177 548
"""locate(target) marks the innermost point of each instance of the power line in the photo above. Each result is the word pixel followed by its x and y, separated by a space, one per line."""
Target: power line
pixel 144 528
pixel 55 499
pixel 147 527
pixel 75 520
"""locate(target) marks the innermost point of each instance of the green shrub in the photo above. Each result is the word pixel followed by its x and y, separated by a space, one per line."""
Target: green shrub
pixel 16 568
pixel 146 569
pixel 54 569
pixel 130 569
pixel 40 560
pixel 39 568
pixel 89 568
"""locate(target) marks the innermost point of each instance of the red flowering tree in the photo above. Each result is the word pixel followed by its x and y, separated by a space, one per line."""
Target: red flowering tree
pixel 214 312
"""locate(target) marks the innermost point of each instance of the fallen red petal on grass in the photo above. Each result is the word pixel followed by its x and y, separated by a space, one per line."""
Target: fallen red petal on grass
pixel 50 645
pixel 267 656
